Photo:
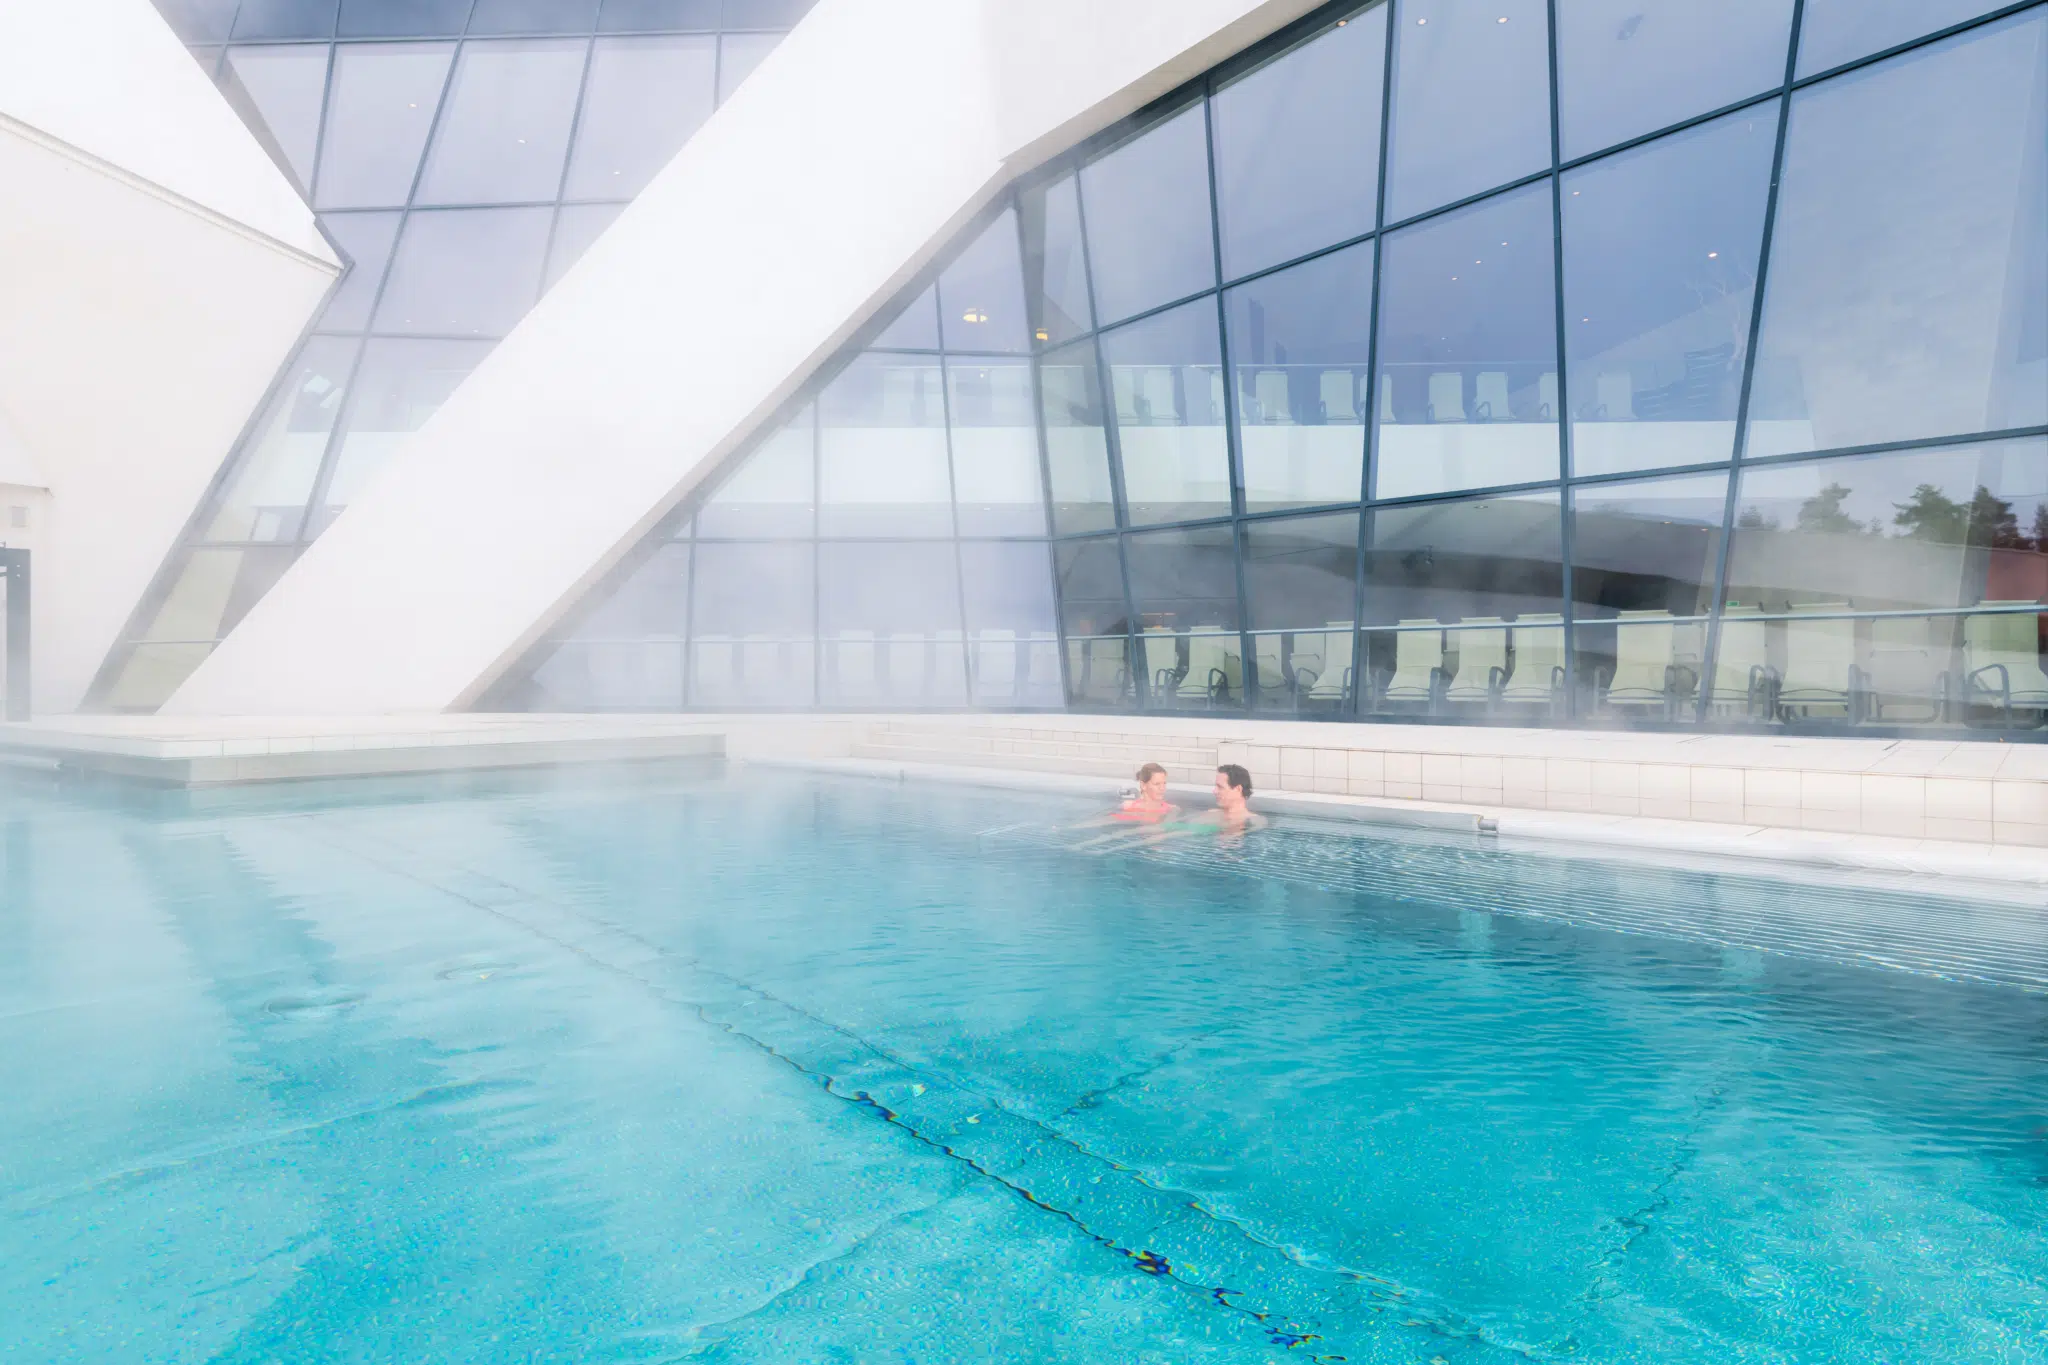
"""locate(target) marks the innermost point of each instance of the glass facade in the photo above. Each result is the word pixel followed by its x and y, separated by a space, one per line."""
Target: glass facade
pixel 460 154
pixel 1508 362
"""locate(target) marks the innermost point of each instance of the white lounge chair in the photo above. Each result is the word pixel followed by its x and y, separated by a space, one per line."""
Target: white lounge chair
pixel 1537 677
pixel 1447 396
pixel 1490 397
pixel 1419 675
pixel 2002 663
pixel 1821 676
pixel 1481 647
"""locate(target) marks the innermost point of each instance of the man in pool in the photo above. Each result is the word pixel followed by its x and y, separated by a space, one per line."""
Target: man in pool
pixel 1233 813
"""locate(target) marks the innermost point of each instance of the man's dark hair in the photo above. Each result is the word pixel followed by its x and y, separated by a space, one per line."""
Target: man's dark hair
pixel 1236 776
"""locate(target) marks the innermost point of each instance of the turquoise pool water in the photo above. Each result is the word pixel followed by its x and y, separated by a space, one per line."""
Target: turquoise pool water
pixel 768 1068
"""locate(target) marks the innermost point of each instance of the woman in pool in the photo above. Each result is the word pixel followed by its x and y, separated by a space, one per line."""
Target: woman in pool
pixel 1149 806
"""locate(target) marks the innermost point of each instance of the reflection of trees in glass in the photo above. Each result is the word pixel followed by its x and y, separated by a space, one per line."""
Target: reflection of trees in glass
pixel 1986 519
pixel 1823 513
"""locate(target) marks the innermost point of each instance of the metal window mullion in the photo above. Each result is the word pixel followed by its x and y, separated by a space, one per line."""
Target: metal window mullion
pixel 1037 358
pixel 1233 464
pixel 1112 446
pixel 1710 662
pixel 1567 516
pixel 336 438
pixel 953 499
pixel 547 253
pixel 1370 418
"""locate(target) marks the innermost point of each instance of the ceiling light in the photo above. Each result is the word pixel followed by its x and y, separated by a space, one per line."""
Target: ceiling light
pixel 974 315
pixel 1041 335
pixel 1712 255
pixel 1502 20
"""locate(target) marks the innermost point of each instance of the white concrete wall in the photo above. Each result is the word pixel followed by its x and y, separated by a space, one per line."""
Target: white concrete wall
pixel 155 269
pixel 853 154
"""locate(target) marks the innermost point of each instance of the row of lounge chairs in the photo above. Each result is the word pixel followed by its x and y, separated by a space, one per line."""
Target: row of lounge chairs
pixel 1813 663
pixel 861 665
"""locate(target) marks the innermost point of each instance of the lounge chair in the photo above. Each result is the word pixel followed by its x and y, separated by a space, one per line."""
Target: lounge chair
pixel 1447 396
pixel 2002 664
pixel 1332 686
pixel 1481 644
pixel 1339 396
pixel 1269 393
pixel 1490 397
pixel 1537 675
pixel 1909 674
pixel 1821 673
pixel 853 665
pixel 995 666
pixel 1744 681
pixel 1419 674
pixel 1647 671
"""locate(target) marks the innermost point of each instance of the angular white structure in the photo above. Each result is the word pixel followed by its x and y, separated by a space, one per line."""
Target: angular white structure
pixel 774 236
pixel 155 268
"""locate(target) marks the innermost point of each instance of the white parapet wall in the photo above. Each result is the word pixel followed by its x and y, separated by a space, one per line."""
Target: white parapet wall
pixel 869 137
pixel 155 270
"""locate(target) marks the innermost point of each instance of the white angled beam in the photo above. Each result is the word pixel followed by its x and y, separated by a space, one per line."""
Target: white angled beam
pixel 870 136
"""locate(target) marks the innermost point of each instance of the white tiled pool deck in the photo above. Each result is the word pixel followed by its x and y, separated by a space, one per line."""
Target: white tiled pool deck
pixel 208 751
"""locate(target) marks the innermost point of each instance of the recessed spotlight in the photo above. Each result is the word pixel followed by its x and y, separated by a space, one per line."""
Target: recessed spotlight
pixel 1502 20
pixel 974 315
pixel 1454 279
pixel 1422 21
pixel 1713 255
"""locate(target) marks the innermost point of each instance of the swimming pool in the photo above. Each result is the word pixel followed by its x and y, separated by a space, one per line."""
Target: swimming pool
pixel 772 1068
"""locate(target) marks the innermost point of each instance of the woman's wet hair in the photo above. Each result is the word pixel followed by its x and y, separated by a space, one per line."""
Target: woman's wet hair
pixel 1150 771
pixel 1237 776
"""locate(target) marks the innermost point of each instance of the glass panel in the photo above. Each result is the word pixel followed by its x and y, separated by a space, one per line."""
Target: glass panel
pixel 1091 587
pixel 916 328
pixel 1471 99
pixel 765 13
pixel 152 673
pixel 399 386
pixel 1300 579
pixel 751 636
pixel 198 21
pixel 738 55
pixel 1302 572
pixel 377 121
pixel 284 19
pixel 1644 556
pixel 366 239
pixel 267 499
pixel 576 227
pixel 624 16
pixel 1076 444
pixel 506 128
pixel 1167 375
pixel 1146 205
pixel 645 97
pixel 610 675
pixel 533 16
pixel 402 18
pixel 995 448
pixel 1301 350
pixel 1919 530
pixel 1298 146
pixel 1468 347
pixel 216 590
pixel 882 467
pixel 465 272
pixel 1184 580
pixel 1652 546
pixel 1055 271
pixel 282 88
pixel 1472 559
pixel 771 493
pixel 982 292
pixel 889 624
pixel 650 604
pixel 1626 68
pixel 1012 643
pixel 1908 291
pixel 1660 260
pixel 1184 584
pixel 1836 31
